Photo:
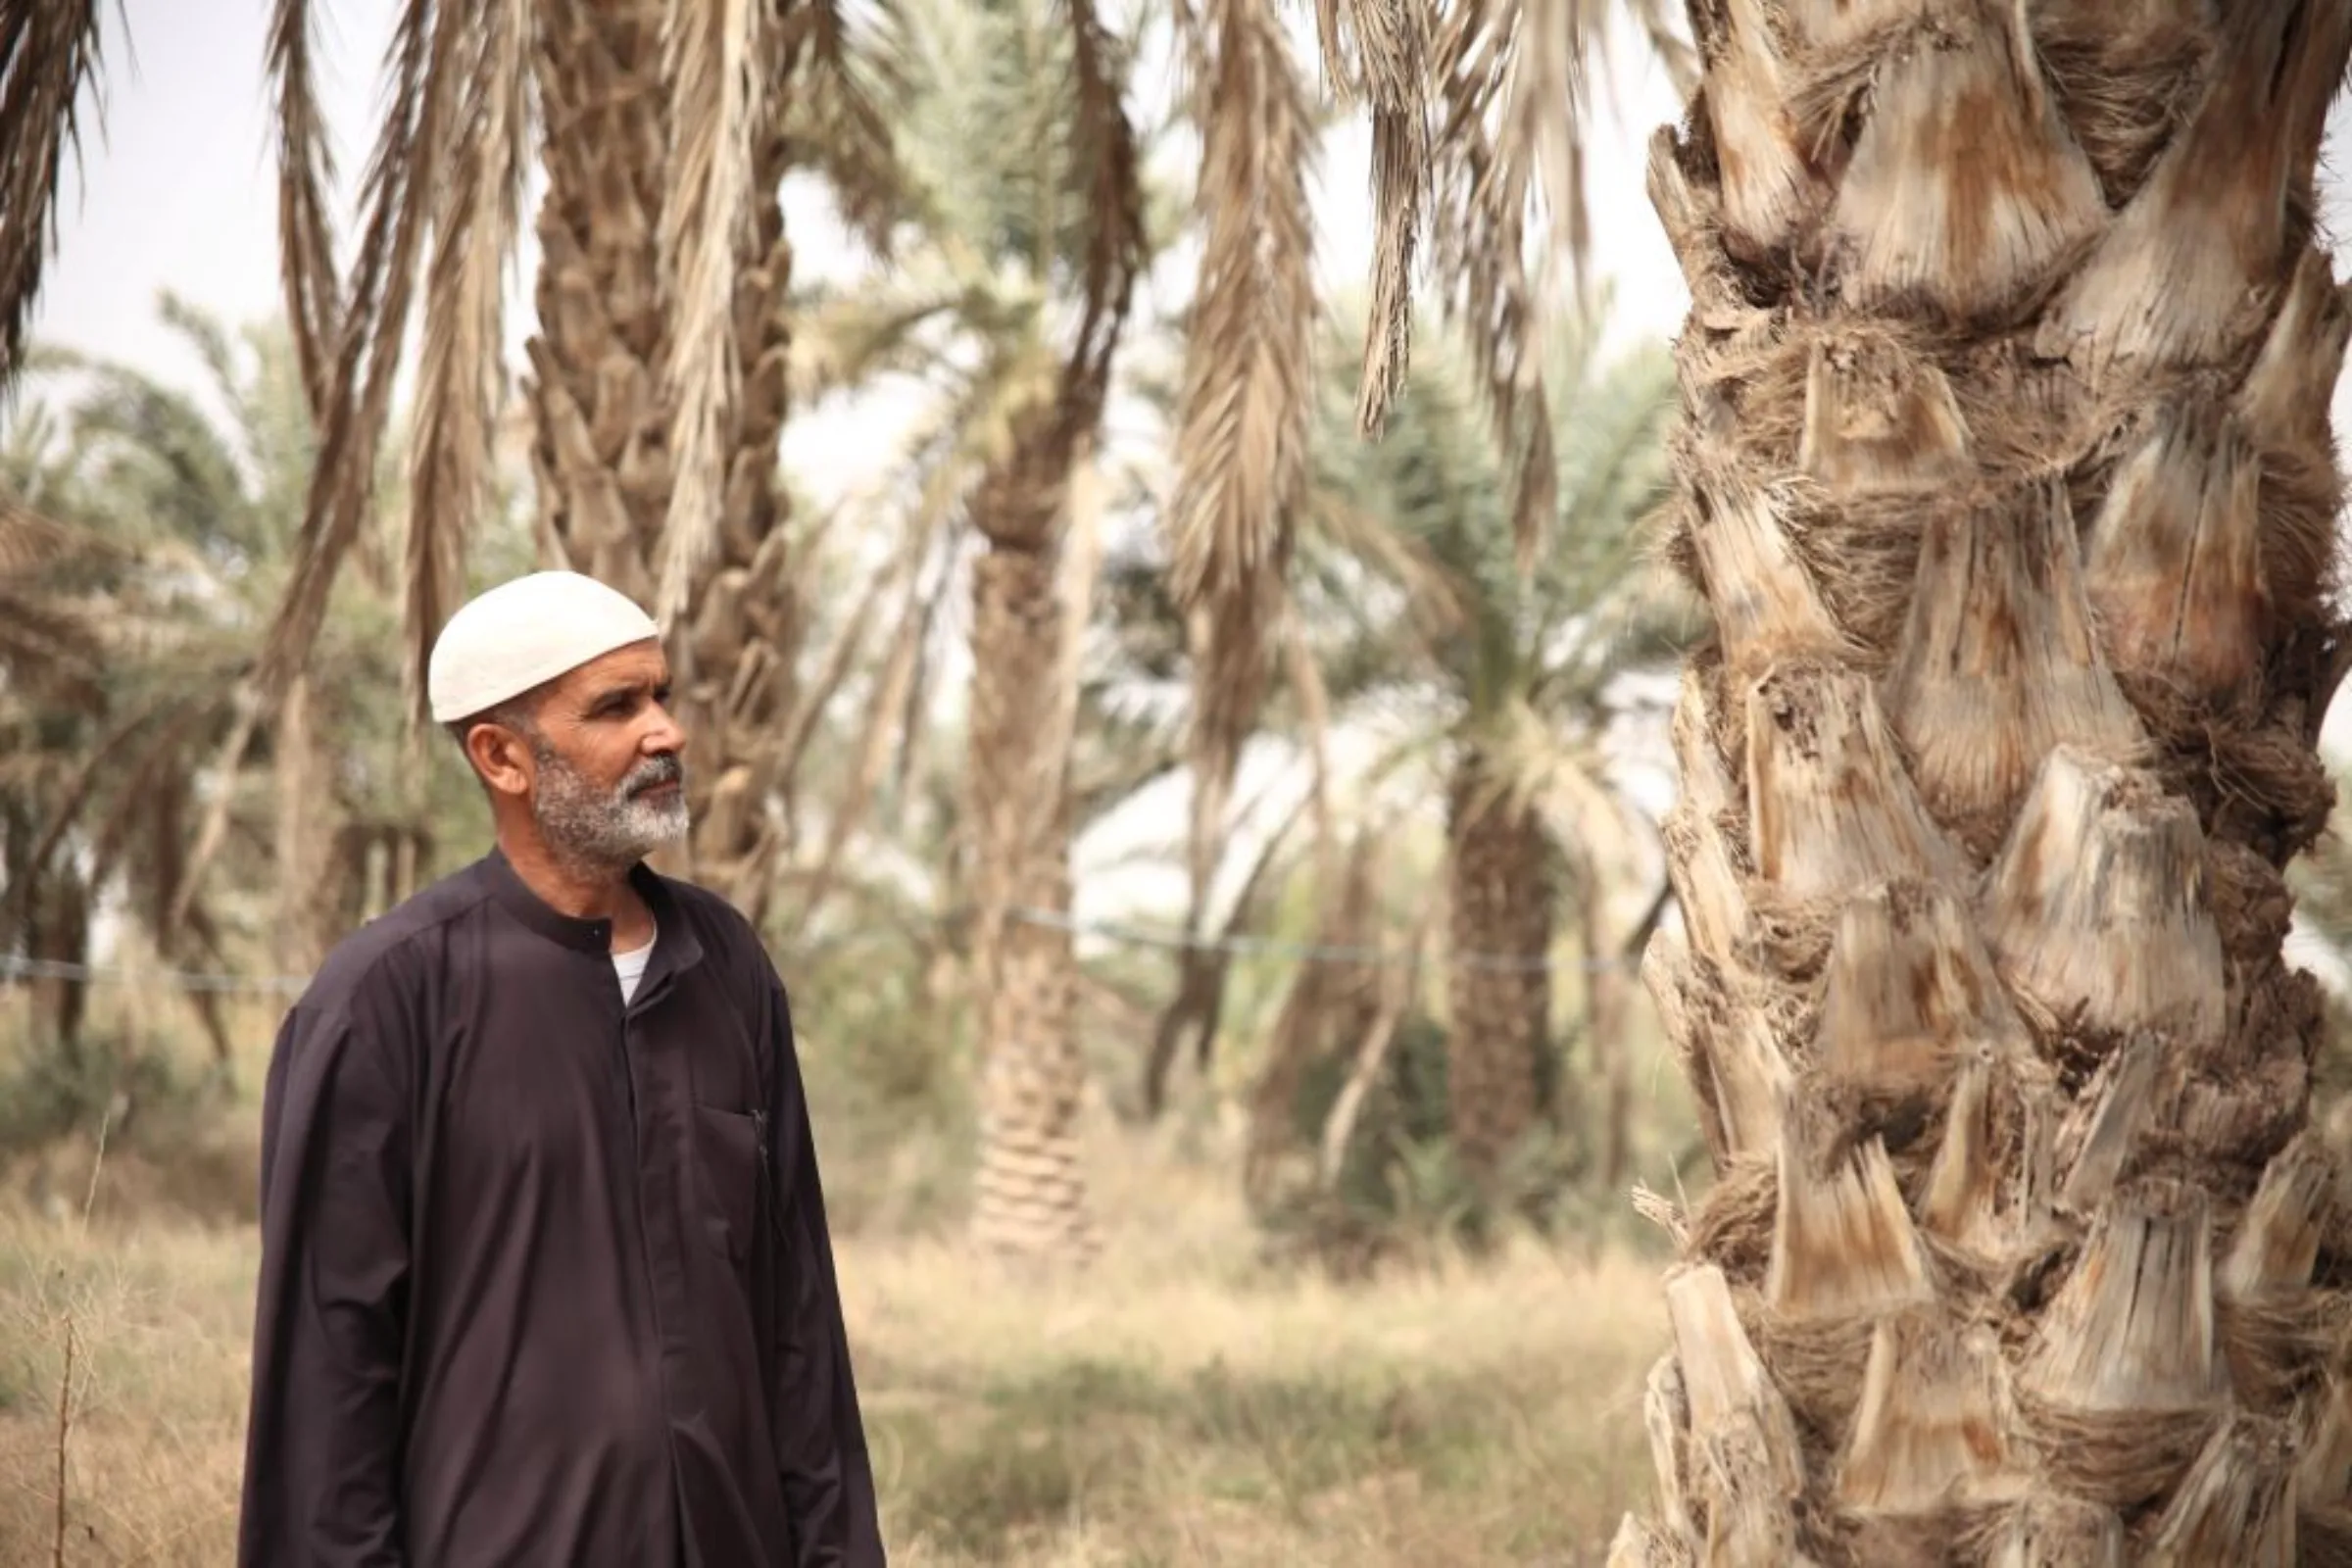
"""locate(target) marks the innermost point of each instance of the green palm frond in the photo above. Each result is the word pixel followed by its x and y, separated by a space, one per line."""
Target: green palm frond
pixel 1433 491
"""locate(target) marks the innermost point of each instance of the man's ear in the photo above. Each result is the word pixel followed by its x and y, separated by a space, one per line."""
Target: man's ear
pixel 501 756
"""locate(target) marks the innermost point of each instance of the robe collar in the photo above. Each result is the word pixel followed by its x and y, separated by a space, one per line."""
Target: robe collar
pixel 675 947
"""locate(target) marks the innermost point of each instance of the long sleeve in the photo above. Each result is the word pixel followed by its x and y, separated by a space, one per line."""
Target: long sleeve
pixel 828 1480
pixel 323 1442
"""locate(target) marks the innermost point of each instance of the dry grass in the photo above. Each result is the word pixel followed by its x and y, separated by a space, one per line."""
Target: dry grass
pixel 1182 1403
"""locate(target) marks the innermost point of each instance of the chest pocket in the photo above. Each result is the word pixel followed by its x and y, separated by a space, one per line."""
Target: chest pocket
pixel 728 1169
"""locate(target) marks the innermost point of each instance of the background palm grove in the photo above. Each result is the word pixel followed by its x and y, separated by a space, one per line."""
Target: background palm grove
pixel 1289 1093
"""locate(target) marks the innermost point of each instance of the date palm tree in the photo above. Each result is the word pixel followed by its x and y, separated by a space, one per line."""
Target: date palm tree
pixel 1500 677
pixel 1024 233
pixel 2005 471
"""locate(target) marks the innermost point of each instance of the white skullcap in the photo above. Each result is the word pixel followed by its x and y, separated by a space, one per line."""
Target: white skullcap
pixel 524 632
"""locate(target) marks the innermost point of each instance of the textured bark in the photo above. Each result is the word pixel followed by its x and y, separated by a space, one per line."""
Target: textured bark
pixel 1501 996
pixel 2006 473
pixel 600 454
pixel 1031 1194
pixel 308 875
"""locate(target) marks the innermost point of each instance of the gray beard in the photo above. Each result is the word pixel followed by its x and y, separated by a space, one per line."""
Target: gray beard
pixel 602 833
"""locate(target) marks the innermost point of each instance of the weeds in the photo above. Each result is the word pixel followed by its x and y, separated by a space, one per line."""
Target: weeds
pixel 1182 1403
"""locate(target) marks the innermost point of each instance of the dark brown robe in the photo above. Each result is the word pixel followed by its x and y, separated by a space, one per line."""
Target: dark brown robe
pixel 546 1280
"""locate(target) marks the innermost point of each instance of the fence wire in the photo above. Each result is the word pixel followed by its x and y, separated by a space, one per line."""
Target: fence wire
pixel 25 970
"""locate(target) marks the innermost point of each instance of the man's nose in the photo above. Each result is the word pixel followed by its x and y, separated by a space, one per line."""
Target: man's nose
pixel 664 734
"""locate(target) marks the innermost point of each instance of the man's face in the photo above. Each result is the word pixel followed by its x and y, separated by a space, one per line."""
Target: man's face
pixel 608 786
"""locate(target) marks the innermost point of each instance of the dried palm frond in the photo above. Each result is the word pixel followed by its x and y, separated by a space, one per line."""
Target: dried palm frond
pixel 478 209
pixel 1377 52
pixel 1248 377
pixel 48 57
pixel 1104 141
pixel 427 50
pixel 1507 78
pixel 1248 403
pixel 719 59
pixel 306 168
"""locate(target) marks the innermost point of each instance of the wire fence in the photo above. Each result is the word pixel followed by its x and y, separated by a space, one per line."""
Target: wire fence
pixel 25 970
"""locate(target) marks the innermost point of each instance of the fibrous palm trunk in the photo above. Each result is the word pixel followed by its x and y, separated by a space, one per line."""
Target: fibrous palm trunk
pixel 1500 904
pixel 2007 475
pixel 1030 1197
pixel 309 884
pixel 601 451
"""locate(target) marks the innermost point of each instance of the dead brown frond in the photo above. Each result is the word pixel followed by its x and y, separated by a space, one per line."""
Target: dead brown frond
pixel 1401 175
pixel 1249 379
pixel 48 56
pixel 719 60
pixel 1482 254
pixel 1105 137
pixel 426 52
pixel 1248 399
pixel 305 170
pixel 1380 55
pixel 478 208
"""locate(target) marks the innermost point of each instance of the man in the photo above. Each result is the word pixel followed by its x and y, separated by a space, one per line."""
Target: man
pixel 545 1270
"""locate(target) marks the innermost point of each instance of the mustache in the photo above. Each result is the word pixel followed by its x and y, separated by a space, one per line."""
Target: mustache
pixel 652 774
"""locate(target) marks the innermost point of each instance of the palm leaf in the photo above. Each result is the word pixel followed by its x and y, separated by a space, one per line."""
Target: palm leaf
pixel 48 58
pixel 1248 381
pixel 476 213
pixel 305 171
pixel 719 59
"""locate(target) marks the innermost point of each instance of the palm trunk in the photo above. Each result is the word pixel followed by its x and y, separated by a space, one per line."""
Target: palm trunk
pixel 1328 1010
pixel 309 879
pixel 2007 474
pixel 602 419
pixel 1500 995
pixel 1031 1193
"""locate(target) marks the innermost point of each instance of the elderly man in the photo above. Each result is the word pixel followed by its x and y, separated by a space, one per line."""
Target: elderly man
pixel 545 1271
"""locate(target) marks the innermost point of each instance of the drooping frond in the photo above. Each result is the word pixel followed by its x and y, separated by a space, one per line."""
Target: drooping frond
pixel 305 170
pixel 427 51
pixel 1248 394
pixel 48 56
pixel 1392 78
pixel 721 61
pixel 1102 139
pixel 1508 157
pixel 840 77
pixel 1248 377
pixel 477 209
pixel 1483 187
